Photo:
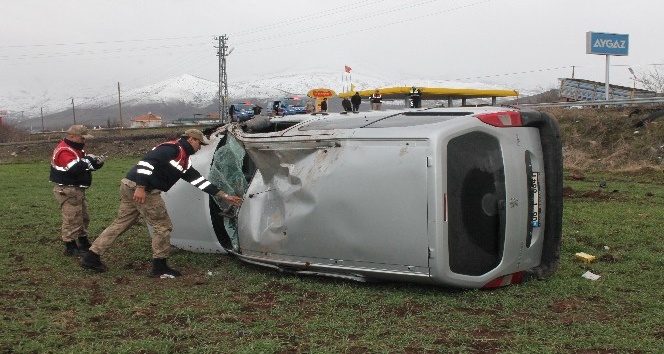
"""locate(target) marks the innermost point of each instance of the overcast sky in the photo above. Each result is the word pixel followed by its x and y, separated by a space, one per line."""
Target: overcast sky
pixel 82 46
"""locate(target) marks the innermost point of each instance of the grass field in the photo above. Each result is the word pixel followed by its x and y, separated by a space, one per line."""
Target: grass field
pixel 50 305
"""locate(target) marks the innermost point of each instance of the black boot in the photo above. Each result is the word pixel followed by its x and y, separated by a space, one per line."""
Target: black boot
pixel 159 268
pixel 83 243
pixel 91 261
pixel 72 250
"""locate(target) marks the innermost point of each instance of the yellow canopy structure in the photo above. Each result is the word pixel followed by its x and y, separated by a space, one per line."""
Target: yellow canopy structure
pixel 434 93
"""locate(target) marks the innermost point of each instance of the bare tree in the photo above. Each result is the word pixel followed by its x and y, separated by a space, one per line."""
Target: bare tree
pixel 112 123
pixel 652 79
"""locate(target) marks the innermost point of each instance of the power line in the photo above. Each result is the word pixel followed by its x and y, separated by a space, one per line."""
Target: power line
pixel 79 55
pixel 514 73
pixel 93 52
pixel 313 17
pixel 294 43
pixel 240 33
pixel 98 42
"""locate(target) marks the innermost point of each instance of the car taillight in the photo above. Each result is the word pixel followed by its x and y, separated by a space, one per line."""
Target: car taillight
pixel 510 279
pixel 501 119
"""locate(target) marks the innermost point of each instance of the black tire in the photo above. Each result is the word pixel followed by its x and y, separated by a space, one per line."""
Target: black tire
pixel 553 168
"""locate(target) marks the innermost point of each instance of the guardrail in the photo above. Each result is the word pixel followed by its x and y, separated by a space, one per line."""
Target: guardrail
pixel 579 104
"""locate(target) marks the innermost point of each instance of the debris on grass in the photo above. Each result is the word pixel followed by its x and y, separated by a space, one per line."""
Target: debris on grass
pixel 590 275
pixel 585 257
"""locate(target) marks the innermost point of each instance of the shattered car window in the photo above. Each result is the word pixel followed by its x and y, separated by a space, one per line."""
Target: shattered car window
pixel 226 173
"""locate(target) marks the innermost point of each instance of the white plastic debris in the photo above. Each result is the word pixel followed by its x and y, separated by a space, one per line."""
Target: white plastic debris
pixel 590 275
pixel 606 248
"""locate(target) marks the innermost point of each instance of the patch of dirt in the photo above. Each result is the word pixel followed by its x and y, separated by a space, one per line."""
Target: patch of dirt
pixel 263 300
pixel 597 194
pixel 659 333
pixel 97 296
pixel 195 280
pixel 563 306
pixel 122 280
pixel 111 146
pixel 608 258
pixel 137 266
pixel 408 309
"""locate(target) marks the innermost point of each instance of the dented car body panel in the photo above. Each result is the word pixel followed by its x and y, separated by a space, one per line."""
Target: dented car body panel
pixel 433 196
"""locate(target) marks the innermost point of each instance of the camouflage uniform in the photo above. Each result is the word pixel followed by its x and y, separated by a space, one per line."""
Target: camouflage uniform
pixel 153 211
pixel 71 171
pixel 74 208
pixel 155 173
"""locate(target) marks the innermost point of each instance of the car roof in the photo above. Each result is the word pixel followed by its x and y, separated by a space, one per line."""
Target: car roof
pixel 383 118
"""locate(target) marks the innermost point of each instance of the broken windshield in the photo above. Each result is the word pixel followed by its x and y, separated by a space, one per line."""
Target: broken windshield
pixel 226 173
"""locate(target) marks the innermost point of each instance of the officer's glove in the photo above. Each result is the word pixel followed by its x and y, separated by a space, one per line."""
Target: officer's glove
pixel 93 161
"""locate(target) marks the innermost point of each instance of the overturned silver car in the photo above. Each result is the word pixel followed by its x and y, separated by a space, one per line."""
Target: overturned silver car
pixel 463 197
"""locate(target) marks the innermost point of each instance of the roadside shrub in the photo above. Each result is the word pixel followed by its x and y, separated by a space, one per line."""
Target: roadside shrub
pixel 613 139
pixel 9 133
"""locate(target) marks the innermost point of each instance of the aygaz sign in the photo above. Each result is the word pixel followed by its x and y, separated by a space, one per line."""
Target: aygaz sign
pixel 607 43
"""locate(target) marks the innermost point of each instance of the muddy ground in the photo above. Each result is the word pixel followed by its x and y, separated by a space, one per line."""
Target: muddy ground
pixel 40 150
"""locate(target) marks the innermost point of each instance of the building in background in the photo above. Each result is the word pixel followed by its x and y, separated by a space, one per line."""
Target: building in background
pixel 146 121
pixel 586 90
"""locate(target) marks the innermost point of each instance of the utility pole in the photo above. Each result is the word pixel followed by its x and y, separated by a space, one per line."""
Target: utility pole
pixel 120 105
pixel 42 116
pixel 223 81
pixel 73 109
pixel 634 81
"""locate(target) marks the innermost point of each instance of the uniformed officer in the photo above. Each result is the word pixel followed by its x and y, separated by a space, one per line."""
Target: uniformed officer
pixel 141 192
pixel 71 171
pixel 376 99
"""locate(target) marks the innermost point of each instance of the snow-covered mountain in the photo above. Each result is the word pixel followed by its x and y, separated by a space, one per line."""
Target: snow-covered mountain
pixel 196 92
pixel 185 89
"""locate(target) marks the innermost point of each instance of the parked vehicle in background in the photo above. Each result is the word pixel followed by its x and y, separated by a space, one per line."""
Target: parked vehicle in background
pixel 464 197
pixel 288 106
pixel 241 112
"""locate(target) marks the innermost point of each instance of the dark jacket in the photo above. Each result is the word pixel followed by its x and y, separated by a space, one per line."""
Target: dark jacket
pixel 345 103
pixel 165 165
pixel 356 99
pixel 70 166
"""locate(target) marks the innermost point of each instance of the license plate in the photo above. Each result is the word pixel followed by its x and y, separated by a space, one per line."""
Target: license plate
pixel 535 188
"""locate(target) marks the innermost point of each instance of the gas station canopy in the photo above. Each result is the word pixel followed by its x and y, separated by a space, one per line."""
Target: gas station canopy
pixel 434 93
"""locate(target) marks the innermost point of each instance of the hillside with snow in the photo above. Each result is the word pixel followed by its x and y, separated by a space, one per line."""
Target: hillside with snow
pixel 200 93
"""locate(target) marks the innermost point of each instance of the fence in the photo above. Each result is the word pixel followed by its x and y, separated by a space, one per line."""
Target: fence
pixel 653 101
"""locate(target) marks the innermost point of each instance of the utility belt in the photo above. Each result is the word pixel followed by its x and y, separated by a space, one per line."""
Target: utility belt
pixel 131 184
pixel 70 186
